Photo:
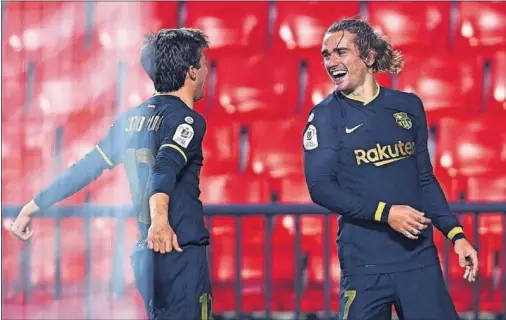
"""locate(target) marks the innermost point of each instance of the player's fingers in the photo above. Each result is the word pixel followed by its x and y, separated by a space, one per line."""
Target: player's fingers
pixel 470 276
pixel 474 263
pixel 417 225
pixel 414 231
pixel 29 232
pixel 156 244
pixel 25 235
pixel 409 235
pixel 14 230
pixel 175 244
pixel 168 243
pixel 18 232
pixel 163 241
pixel 408 228
pixel 467 273
pixel 150 242
pixel 420 218
pixel 462 260
pixel 417 212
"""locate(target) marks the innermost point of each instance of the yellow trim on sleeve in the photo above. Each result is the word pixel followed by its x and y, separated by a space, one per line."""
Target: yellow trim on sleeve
pixel 106 158
pixel 453 232
pixel 173 146
pixel 363 100
pixel 379 211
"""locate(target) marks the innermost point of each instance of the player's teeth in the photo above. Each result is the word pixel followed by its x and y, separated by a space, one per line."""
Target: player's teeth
pixel 338 73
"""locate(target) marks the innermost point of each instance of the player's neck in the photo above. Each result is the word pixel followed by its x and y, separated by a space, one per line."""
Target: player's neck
pixel 184 95
pixel 367 91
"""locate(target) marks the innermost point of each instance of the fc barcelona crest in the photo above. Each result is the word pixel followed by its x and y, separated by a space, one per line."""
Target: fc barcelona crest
pixel 403 120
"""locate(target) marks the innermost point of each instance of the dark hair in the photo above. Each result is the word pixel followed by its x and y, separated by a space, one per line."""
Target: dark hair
pixel 386 58
pixel 167 55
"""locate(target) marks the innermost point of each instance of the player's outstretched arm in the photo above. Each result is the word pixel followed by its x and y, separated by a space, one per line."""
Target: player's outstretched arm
pixel 435 204
pixel 69 182
pixel 73 179
pixel 321 166
pixel 182 140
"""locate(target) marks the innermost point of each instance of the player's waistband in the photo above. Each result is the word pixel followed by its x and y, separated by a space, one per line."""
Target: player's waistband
pixel 424 259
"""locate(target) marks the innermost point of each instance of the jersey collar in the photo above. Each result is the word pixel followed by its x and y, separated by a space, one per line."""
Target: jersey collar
pixel 157 98
pixel 363 101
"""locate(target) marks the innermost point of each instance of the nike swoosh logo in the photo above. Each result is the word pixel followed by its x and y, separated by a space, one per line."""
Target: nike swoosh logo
pixel 353 129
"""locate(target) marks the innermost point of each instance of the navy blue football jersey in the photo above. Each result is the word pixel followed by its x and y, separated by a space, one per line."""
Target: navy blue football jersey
pixel 362 157
pixel 162 135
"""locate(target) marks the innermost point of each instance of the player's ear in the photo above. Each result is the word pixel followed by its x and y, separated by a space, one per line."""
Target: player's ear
pixel 192 73
pixel 371 57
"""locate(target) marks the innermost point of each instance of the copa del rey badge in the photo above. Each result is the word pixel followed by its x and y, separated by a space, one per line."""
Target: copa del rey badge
pixel 183 135
pixel 310 138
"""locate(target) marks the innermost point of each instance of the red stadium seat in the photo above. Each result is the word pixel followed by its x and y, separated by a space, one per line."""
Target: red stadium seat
pixel 137 86
pixel 448 84
pixel 132 20
pixel 31 38
pixel 481 25
pixel 27 50
pixel 255 87
pixel 221 148
pixel 301 25
pixel 13 153
pixel 483 188
pixel 230 24
pixel 469 147
pixel 112 188
pixel 12 28
pixel 13 63
pixel 235 189
pixel 11 249
pixel 166 13
pixel 37 150
pixel 412 24
pixel 496 100
pixel 276 147
pixel 293 189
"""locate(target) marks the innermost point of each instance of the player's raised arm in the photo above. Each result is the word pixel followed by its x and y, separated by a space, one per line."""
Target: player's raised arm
pixel 435 204
pixel 321 154
pixel 79 175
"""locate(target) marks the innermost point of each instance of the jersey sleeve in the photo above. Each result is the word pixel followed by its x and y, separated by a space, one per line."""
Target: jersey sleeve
pixel 112 146
pixel 321 167
pixel 182 140
pixel 105 155
pixel 434 201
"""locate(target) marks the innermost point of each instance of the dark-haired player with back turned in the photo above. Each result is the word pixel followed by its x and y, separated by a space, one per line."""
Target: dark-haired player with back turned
pixel 160 144
pixel 366 158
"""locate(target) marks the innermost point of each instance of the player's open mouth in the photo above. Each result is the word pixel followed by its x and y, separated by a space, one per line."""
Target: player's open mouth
pixel 338 74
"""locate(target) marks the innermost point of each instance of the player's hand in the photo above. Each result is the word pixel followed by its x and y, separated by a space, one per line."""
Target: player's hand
pixel 468 258
pixel 161 236
pixel 408 221
pixel 22 226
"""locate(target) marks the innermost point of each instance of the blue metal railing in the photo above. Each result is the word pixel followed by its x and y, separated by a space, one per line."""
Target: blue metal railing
pixel 87 212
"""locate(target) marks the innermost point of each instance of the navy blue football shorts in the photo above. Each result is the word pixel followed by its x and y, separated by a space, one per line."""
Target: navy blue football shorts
pixel 175 285
pixel 418 294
